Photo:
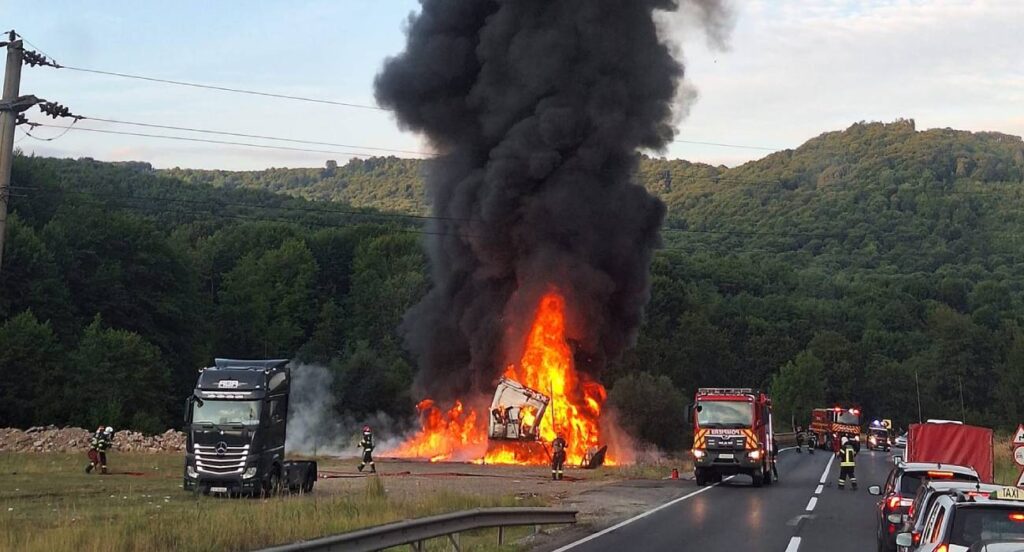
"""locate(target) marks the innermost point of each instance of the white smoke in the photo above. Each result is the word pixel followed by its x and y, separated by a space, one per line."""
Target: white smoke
pixel 314 425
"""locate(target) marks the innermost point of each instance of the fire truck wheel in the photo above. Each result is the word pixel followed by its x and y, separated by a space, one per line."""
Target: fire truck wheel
pixel 757 477
pixel 700 477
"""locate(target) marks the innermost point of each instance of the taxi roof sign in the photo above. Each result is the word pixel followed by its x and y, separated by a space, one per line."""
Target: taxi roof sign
pixel 1009 493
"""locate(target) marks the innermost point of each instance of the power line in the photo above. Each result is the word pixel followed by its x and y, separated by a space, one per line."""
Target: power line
pixel 208 141
pixel 221 88
pixel 55 64
pixel 720 144
pixel 257 136
pixel 219 202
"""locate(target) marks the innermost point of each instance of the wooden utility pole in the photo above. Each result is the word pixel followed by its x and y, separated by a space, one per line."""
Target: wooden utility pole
pixel 8 118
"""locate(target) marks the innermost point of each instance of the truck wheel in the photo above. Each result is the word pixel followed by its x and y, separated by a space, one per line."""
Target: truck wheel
pixel 757 478
pixel 307 485
pixel 700 477
pixel 272 484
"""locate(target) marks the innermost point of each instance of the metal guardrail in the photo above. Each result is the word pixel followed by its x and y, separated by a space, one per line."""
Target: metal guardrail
pixel 415 531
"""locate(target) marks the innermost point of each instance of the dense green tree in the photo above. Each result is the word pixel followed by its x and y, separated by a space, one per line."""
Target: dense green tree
pixel 32 372
pixel 117 379
pixel 651 409
pixel 266 303
pixel 798 388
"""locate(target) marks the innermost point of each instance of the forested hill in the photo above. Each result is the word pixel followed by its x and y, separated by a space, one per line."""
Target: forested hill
pixel 388 183
pixel 841 271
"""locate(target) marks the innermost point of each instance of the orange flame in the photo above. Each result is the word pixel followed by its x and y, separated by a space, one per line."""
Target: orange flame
pixel 546 366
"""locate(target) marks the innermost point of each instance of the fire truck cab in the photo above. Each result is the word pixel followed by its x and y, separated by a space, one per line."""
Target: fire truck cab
pixel 732 434
pixel 830 425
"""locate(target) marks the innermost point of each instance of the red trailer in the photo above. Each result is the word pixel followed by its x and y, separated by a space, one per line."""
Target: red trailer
pixel 952 443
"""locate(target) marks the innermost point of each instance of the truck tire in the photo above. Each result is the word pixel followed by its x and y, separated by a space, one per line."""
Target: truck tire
pixel 757 477
pixel 272 484
pixel 307 485
pixel 700 477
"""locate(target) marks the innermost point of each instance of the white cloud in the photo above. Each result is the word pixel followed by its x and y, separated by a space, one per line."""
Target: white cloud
pixel 799 68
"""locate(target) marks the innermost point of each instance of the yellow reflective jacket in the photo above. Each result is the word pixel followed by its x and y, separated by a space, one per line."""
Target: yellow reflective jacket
pixel 846 456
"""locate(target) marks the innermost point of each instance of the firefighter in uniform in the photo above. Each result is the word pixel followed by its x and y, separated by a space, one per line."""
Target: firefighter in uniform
pixel 847 464
pixel 98 446
pixel 558 457
pixel 366 443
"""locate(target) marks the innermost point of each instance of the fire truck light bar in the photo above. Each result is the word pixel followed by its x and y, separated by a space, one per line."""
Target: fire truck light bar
pixel 725 391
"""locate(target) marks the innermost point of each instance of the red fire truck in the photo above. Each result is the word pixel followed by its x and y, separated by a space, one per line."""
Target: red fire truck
pixel 830 425
pixel 732 434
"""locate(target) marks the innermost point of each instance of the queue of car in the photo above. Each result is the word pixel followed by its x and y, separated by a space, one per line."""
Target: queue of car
pixel 937 507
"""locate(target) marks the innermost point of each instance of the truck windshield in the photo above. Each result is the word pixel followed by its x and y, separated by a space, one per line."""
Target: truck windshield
pixel 226 412
pixel 972 524
pixel 847 417
pixel 725 414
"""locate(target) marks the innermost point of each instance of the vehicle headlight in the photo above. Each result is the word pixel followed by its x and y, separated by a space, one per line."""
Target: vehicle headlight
pixel 754 455
pixel 192 474
pixel 249 473
pixel 699 453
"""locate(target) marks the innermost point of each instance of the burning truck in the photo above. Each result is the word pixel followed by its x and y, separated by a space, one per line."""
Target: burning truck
pixel 521 420
pixel 516 414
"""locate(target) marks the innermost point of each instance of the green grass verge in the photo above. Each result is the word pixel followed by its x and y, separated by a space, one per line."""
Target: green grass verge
pixel 1006 471
pixel 49 503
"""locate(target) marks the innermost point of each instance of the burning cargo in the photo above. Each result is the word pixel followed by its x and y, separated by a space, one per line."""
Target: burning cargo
pixel 516 412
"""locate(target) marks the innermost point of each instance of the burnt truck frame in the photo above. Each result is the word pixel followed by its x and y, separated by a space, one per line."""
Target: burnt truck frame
pixel 241 448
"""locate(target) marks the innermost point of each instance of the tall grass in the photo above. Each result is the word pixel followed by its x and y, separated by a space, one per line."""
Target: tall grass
pixel 55 506
pixel 1006 471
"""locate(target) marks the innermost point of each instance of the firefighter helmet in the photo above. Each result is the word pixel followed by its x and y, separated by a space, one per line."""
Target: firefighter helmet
pixel 366 429
pixel 109 430
pixel 844 440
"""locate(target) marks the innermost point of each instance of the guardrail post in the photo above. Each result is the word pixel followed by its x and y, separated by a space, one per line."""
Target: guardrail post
pixel 501 535
pixel 454 539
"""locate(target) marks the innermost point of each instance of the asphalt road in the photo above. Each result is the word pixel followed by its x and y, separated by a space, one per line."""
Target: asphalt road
pixel 803 511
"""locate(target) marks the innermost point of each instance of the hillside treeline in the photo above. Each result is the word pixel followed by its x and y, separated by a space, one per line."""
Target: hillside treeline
pixel 865 267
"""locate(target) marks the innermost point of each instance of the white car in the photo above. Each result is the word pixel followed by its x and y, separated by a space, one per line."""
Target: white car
pixel 957 521
pixel 901 441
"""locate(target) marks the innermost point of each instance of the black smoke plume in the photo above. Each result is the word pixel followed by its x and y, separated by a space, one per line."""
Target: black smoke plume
pixel 538 108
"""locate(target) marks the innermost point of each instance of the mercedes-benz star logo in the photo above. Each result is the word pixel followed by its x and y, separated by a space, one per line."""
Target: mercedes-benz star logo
pixel 222 448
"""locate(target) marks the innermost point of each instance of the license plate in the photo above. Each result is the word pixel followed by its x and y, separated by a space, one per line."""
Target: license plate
pixel 218 489
pixel 726 455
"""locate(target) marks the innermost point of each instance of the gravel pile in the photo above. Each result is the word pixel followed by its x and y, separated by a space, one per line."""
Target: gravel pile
pixel 76 439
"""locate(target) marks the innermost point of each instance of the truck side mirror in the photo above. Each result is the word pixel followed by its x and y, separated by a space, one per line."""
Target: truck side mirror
pixel 905 540
pixel 689 413
pixel 188 408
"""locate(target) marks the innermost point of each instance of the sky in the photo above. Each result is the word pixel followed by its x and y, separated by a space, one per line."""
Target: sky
pixel 790 70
